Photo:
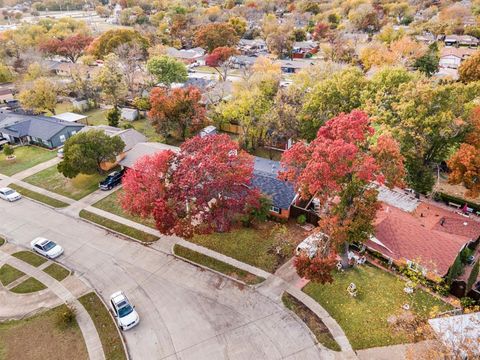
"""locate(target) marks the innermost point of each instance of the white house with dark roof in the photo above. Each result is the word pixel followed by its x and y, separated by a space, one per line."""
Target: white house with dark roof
pixel 40 130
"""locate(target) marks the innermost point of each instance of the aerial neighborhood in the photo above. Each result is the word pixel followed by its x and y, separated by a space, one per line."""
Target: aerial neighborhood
pixel 248 179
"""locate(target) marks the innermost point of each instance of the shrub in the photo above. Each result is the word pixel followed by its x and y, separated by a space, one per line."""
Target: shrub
pixel 8 150
pixel 467 302
pixel 465 254
pixel 67 317
pixel 113 117
pixel 301 219
pixel 456 270
pixel 473 275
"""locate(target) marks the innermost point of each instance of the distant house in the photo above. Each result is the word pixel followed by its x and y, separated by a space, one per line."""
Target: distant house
pixel 253 47
pixel 188 56
pixel 304 49
pixel 40 130
pixel 243 61
pixel 422 236
pixel 461 40
pixel 281 192
pixel 6 95
pixel 130 137
pixel 451 57
pixel 142 149
pixel 295 65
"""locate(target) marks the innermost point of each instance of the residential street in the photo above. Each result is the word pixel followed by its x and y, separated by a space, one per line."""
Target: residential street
pixel 186 313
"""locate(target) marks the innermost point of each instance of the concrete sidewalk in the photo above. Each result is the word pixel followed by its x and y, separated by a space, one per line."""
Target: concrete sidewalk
pixel 35 169
pixel 90 334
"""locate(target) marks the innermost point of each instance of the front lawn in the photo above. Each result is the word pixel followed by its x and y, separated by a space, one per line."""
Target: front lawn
pixel 30 258
pixel 255 246
pixel 9 274
pixel 111 204
pixel 76 188
pixel 380 296
pixel 111 341
pixel 145 127
pixel 26 157
pixel 39 337
pixel 217 265
pixel 28 286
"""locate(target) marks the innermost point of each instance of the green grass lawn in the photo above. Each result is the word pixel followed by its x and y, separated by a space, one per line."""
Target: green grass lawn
pixel 38 197
pixel 30 258
pixel 254 246
pixel 9 274
pixel 217 265
pixel 380 295
pixel 112 205
pixel 39 337
pixel 145 127
pixel 28 286
pixel 56 271
pixel 111 342
pixel 27 157
pixel 314 323
pixel 118 227
pixel 76 188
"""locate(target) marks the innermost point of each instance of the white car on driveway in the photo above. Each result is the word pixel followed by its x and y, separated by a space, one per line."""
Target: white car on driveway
pixel 9 194
pixel 123 311
pixel 46 248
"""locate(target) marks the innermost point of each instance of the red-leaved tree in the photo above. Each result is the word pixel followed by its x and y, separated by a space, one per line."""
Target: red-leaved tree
pixel 71 47
pixel 338 168
pixel 321 31
pixel 221 59
pixel 318 269
pixel 176 111
pixel 202 189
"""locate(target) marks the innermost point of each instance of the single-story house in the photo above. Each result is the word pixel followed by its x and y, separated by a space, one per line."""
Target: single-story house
pixel 252 47
pixel 70 117
pixel 461 40
pixel 295 65
pixel 130 137
pixel 265 178
pixel 6 94
pixel 243 61
pixel 36 129
pixel 427 238
pixel 303 49
pixel 188 56
pixel 142 149
pixel 451 57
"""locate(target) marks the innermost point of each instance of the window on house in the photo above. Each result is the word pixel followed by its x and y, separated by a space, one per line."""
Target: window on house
pixel 74 132
pixel 62 138
pixel 275 209
pixel 415 267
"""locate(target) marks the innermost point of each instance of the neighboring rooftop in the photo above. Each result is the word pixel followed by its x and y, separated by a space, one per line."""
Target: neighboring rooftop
pixel 399 198
pixel 145 148
pixel 70 117
pixel 130 137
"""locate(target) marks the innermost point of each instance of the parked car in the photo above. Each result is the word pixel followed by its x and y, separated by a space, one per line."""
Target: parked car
pixel 123 311
pixel 60 153
pixel 46 247
pixel 9 194
pixel 112 180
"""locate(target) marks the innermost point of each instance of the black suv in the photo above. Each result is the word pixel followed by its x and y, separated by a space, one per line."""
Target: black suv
pixel 112 180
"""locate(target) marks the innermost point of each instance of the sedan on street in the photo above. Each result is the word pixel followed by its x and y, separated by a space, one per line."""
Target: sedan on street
pixel 9 194
pixel 46 248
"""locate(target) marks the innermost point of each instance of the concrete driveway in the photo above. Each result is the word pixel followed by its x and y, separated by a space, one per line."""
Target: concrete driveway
pixel 186 313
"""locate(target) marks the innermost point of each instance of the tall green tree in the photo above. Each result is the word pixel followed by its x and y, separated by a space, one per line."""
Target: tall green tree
pixel 339 93
pixel 111 81
pixel 473 275
pixel 85 152
pixel 167 70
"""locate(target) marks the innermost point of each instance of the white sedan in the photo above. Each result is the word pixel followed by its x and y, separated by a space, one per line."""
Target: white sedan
pixel 9 194
pixel 46 248
pixel 123 311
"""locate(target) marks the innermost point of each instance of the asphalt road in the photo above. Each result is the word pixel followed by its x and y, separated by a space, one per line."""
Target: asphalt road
pixel 186 313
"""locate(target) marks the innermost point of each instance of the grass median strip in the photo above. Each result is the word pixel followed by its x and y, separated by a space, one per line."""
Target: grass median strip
pixel 118 227
pixel 9 274
pixel 314 323
pixel 107 330
pixel 38 197
pixel 56 271
pixel 30 258
pixel 28 286
pixel 217 265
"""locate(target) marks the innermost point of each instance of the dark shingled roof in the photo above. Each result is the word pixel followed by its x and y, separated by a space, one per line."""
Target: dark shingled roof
pixel 38 126
pixel 265 178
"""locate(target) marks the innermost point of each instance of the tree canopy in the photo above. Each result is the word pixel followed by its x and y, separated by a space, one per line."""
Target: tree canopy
pixel 167 70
